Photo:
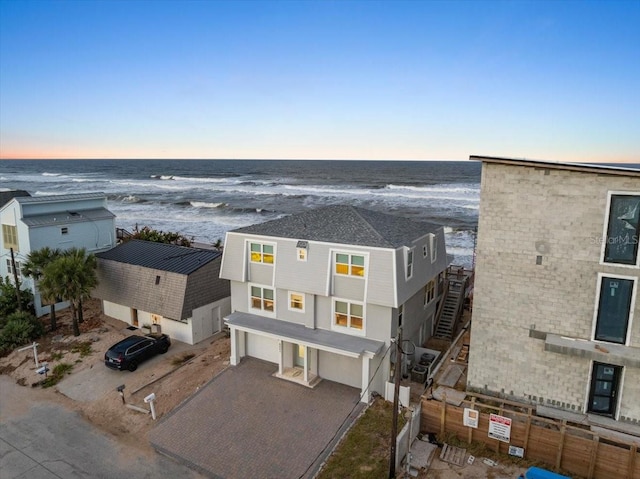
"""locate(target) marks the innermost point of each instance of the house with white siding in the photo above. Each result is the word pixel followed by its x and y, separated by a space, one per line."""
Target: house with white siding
pixel 30 223
pixel 556 316
pixel 321 294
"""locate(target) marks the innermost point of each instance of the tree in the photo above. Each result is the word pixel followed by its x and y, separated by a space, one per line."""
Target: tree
pixel 156 236
pixel 33 267
pixel 72 275
pixel 8 299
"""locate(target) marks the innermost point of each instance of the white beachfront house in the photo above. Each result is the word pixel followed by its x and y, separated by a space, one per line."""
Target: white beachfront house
pixel 30 223
pixel 321 294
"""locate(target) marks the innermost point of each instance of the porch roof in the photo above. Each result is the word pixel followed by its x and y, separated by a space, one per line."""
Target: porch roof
pixel 316 338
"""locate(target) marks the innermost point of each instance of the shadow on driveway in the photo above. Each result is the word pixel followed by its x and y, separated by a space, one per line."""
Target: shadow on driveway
pixel 247 424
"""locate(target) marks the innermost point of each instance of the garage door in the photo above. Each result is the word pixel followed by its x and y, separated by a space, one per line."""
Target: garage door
pixel 341 369
pixel 262 347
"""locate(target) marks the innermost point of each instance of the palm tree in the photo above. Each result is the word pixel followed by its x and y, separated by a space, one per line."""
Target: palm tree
pixel 33 267
pixel 73 276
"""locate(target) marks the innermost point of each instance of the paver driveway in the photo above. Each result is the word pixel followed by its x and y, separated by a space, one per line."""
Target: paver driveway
pixel 247 424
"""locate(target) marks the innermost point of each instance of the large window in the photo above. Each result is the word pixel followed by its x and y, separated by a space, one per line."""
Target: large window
pixel 623 230
pixel 10 237
pixel 409 264
pixel 10 269
pixel 349 264
pixel 262 299
pixel 433 246
pixel 349 315
pixel 262 253
pixel 614 307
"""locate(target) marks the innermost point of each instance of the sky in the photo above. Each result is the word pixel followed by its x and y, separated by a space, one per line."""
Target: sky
pixel 407 80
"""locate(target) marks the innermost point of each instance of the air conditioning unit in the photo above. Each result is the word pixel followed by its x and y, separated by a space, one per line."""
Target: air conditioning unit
pixel 419 374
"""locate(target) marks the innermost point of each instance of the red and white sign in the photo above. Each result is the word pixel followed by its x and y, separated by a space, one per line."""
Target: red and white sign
pixel 500 428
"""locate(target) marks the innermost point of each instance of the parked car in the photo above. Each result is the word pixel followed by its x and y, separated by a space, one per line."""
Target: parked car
pixel 131 351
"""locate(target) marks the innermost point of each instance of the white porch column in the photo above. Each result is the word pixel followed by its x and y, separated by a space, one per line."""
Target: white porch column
pixel 365 391
pixel 280 358
pixel 306 365
pixel 235 357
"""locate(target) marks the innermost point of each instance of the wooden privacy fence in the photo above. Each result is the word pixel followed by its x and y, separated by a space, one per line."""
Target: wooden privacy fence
pixel 574 450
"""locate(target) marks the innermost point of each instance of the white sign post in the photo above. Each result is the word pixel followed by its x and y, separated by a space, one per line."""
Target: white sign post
pixel 499 428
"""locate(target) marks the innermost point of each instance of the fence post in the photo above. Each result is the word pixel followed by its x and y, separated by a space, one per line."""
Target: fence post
pixel 594 454
pixel 632 460
pixel 527 431
pixel 470 433
pixel 563 430
pixel 443 414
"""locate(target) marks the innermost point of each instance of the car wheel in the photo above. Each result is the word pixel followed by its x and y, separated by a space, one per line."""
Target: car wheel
pixel 164 350
pixel 132 367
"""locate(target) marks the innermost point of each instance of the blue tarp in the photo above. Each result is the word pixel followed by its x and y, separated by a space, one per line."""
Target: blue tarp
pixel 537 473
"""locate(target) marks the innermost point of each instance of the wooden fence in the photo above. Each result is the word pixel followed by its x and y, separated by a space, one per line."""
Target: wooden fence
pixel 571 449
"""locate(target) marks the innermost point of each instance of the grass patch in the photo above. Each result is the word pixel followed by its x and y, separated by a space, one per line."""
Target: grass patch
pixel 57 356
pixel 57 374
pixel 82 347
pixel 364 452
pixel 178 360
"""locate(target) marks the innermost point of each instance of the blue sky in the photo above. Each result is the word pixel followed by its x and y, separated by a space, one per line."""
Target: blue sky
pixel 553 79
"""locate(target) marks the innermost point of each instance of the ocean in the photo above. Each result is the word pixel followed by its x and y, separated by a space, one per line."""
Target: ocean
pixel 203 199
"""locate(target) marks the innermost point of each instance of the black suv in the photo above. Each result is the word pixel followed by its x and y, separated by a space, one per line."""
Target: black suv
pixel 131 351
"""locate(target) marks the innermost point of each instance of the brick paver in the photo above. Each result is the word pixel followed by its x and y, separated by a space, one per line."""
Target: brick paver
pixel 246 424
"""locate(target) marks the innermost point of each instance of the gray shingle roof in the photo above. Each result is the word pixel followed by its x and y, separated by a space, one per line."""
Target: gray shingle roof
pixel 345 224
pixel 53 198
pixel 160 256
pixel 6 196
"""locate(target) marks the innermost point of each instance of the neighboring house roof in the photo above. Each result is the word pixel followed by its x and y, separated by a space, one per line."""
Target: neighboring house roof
pixel 60 198
pixel 345 224
pixel 160 256
pixel 6 196
pixel 601 169
pixel 68 217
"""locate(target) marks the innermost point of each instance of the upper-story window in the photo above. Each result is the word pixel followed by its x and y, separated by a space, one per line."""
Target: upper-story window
pixel 296 301
pixel 430 292
pixel 64 230
pixel 614 309
pixel 262 253
pixel 262 299
pixel 10 269
pixel 425 251
pixel 409 264
pixel 350 264
pixel 623 229
pixel 301 250
pixel 433 246
pixel 400 314
pixel 349 315
pixel 10 237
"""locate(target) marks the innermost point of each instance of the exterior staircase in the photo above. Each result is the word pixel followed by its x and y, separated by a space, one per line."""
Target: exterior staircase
pixel 451 307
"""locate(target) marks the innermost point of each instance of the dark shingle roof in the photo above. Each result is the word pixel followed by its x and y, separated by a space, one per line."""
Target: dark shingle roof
pixel 6 196
pixel 160 256
pixel 345 225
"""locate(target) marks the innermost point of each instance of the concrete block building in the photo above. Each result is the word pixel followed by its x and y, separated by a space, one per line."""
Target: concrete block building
pixel 556 320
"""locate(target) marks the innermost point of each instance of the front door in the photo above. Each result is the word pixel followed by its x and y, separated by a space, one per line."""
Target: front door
pixel 298 355
pixel 603 397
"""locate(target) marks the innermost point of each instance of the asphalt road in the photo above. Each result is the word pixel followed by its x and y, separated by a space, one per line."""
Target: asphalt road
pixel 40 439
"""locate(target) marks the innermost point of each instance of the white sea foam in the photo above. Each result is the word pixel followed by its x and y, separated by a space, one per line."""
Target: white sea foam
pixel 202 204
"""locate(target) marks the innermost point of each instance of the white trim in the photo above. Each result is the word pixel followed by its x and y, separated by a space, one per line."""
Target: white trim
pixel 248 243
pixel 433 247
pixel 305 253
pixel 597 306
pixel 346 329
pixel 350 253
pixel 263 312
pixel 409 251
pixel 605 231
pixel 618 391
pixel 304 300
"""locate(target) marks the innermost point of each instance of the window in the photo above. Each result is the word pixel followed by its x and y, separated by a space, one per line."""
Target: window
pixel 400 314
pixel 614 306
pixel 157 279
pixel 10 269
pixel 433 246
pixel 10 237
pixel 262 299
pixel 409 264
pixel 302 254
pixel 349 264
pixel 296 301
pixel 429 291
pixel 64 230
pixel 261 253
pixel 425 251
pixel 349 315
pixel 623 230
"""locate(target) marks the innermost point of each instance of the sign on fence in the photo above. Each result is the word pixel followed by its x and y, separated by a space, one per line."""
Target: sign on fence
pixel 499 428
pixel 471 417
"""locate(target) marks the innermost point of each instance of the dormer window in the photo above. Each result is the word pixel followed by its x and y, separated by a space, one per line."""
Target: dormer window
pixel 349 264
pixel 433 246
pixel 262 253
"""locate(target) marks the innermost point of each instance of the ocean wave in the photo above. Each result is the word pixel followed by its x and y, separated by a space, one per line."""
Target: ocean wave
pixel 204 204
pixel 52 174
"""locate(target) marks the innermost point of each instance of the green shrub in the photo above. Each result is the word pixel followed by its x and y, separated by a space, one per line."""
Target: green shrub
pixel 57 374
pixel 19 329
pixel 82 347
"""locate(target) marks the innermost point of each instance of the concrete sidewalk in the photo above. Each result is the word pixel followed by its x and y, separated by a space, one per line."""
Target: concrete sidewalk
pixel 247 424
